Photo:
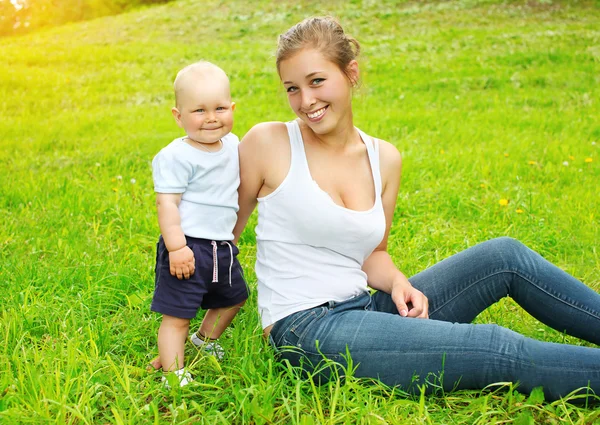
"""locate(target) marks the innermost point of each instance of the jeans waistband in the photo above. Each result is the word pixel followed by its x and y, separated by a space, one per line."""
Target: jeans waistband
pixel 357 301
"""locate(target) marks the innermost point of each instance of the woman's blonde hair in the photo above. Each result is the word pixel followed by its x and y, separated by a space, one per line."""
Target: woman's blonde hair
pixel 324 34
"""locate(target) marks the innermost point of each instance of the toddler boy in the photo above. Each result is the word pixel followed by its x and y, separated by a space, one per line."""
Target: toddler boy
pixel 196 178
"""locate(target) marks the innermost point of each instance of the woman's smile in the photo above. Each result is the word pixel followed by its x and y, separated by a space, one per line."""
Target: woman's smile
pixel 314 84
pixel 317 115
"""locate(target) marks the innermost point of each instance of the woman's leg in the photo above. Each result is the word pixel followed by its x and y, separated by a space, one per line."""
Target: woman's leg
pixel 462 286
pixel 411 352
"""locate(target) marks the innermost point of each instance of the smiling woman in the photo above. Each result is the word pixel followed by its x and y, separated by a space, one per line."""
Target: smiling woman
pixel 316 88
pixel 20 16
pixel 326 195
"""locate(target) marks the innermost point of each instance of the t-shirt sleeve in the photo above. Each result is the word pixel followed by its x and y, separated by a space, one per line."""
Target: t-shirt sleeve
pixel 170 172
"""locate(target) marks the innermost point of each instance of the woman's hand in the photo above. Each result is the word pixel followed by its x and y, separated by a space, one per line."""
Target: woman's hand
pixel 410 301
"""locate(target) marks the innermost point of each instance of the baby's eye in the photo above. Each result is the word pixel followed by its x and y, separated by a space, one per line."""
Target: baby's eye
pixel 221 108
pixel 199 110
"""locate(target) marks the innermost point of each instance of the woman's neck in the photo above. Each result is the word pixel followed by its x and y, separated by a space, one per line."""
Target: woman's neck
pixel 341 137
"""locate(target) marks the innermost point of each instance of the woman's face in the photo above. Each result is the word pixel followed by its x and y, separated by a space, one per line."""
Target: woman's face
pixel 318 91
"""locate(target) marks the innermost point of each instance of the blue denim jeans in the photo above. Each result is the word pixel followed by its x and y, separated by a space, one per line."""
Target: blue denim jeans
pixel 446 351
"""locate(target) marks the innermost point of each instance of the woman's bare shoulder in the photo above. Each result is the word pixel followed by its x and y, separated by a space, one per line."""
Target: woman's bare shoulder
pixel 266 134
pixel 389 156
pixel 265 153
pixel 266 146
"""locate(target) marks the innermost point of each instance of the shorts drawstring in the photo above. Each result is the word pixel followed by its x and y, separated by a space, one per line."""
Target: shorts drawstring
pixel 216 261
pixel 230 258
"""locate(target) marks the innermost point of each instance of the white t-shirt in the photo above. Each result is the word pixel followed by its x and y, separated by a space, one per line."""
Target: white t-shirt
pixel 309 249
pixel 208 182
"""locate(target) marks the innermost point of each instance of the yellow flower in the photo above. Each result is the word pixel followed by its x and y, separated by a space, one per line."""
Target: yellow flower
pixel 505 155
pixel 588 160
pixel 503 202
pixel 482 186
pixel 532 163
pixel 571 157
pixel 114 189
pixel 519 211
pixel 442 151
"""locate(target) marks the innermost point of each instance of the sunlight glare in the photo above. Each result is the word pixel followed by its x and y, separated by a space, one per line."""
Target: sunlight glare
pixel 18 4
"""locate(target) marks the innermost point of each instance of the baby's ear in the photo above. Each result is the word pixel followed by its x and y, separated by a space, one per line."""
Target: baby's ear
pixel 177 116
pixel 233 106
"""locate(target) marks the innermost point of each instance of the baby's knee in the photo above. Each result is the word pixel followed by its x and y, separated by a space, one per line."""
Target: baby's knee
pixel 175 323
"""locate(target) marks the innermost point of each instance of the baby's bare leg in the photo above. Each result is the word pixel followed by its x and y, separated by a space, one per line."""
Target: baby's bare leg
pixel 171 343
pixel 213 325
pixel 216 321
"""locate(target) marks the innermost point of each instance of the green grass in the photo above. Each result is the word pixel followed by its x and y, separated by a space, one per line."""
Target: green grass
pixel 470 92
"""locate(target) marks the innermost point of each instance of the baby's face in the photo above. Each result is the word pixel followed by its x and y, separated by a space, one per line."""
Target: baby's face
pixel 205 110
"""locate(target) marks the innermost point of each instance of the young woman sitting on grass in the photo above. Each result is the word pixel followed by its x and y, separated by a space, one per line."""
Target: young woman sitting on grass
pixel 326 194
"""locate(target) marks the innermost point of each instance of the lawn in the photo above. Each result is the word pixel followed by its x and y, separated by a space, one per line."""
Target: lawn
pixel 494 105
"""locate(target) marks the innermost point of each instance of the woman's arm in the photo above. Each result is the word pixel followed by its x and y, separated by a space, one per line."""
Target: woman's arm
pixel 261 160
pixel 381 271
pixel 250 182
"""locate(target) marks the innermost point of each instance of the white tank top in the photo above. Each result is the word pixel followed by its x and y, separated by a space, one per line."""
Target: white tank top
pixel 309 249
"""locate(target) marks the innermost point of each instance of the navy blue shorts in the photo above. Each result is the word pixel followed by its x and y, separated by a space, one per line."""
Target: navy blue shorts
pixel 217 282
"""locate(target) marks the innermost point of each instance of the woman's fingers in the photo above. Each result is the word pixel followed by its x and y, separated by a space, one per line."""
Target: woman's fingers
pixel 420 304
pixel 399 300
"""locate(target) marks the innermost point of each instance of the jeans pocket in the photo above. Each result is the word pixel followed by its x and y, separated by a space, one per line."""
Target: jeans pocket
pixel 296 332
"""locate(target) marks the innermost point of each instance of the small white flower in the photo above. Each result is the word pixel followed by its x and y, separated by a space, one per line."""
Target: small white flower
pixel 593 143
pixel 566 163
pixel 97 164
pixel 132 181
pixel 119 177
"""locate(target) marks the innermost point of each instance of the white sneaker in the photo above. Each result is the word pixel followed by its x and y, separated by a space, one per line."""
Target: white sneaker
pixel 212 348
pixel 183 375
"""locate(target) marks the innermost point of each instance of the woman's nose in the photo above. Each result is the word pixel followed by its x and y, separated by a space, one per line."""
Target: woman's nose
pixel 308 100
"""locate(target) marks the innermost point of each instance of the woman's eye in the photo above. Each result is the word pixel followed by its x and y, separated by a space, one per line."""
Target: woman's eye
pixel 317 81
pixel 291 89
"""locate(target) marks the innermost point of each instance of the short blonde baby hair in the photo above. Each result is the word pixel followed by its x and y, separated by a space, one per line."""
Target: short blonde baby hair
pixel 194 71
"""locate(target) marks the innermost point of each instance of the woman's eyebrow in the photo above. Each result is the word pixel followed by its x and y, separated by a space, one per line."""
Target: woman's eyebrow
pixel 308 76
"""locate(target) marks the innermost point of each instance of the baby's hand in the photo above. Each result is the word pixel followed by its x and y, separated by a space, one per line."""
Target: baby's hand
pixel 182 263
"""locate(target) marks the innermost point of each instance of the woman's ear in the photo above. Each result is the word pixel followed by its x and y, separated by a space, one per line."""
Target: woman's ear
pixel 353 72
